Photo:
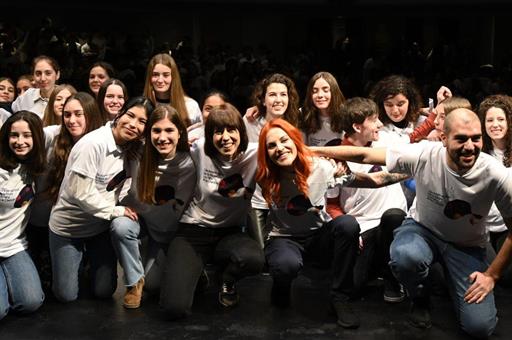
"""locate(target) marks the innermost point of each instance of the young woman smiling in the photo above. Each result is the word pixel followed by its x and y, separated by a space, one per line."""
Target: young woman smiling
pixel 22 158
pixel 165 182
pixel 211 228
pixel 88 200
pixel 163 85
pixel 46 72
pixel 275 96
pixel 79 115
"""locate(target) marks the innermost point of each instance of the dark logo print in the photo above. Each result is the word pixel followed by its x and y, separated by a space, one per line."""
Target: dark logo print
pixel 375 168
pixel 299 205
pixel 333 142
pixel 116 180
pixel 233 186
pixel 26 195
pixel 166 193
pixel 458 208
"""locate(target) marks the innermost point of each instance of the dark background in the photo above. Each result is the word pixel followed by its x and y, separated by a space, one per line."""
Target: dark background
pixel 456 43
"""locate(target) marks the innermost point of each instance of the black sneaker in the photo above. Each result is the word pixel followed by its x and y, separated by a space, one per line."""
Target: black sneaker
pixel 280 296
pixel 420 313
pixel 228 296
pixel 347 318
pixel 393 291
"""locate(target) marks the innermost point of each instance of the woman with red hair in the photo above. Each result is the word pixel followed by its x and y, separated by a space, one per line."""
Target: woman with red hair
pixel 294 183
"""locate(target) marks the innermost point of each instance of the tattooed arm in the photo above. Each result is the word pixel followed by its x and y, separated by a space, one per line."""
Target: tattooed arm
pixel 376 179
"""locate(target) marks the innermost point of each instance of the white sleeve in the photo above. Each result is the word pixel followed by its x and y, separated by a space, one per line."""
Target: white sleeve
pixel 15 106
pixel 84 192
pixel 194 112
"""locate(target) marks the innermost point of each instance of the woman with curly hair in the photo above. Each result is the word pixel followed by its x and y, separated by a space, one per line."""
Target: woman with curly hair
pixel 495 114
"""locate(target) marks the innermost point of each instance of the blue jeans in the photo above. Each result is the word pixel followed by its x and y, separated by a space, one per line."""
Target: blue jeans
pixel 20 287
pixel 124 233
pixel 415 249
pixel 67 254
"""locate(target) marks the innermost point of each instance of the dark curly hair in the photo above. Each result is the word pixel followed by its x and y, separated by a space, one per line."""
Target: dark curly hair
pixel 503 102
pixel 391 86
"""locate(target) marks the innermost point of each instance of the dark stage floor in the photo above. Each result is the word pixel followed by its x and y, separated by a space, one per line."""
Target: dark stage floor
pixel 254 318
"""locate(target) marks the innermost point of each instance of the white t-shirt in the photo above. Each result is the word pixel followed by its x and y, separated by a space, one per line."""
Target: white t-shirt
pixel 452 206
pixel 4 115
pixel 297 215
pixel 324 135
pixel 391 134
pixel 494 221
pixel 224 189
pixel 94 178
pixel 16 194
pixel 174 186
pixel 368 205
pixel 193 110
pixel 31 101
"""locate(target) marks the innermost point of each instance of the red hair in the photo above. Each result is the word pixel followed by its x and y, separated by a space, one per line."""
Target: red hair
pixel 268 173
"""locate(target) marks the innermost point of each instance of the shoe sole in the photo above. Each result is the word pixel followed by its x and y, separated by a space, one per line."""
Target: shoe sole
pixel 347 326
pixel 131 306
pixel 394 299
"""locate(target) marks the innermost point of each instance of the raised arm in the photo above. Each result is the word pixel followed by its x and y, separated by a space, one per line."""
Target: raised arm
pixel 357 154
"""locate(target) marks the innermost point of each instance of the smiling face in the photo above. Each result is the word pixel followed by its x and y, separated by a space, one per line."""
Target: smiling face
pixel 114 100
pixel 60 98
pixel 130 125
pixel 396 107
pixel 6 91
pixel 321 95
pixel 161 79
pixel 368 131
pixel 281 149
pixel 74 119
pixel 276 100
pixel 97 76
pixel 496 124
pixel 463 141
pixel 164 137
pixel 20 139
pixel 226 140
pixel 45 77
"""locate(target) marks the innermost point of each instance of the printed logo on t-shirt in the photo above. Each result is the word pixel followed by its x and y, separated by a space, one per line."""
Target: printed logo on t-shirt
pixel 166 193
pixel 458 208
pixel 233 186
pixel 26 195
pixel 117 180
pixel 299 205
pixel 333 142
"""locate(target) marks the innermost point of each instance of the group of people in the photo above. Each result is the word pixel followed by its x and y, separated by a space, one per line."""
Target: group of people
pixel 86 175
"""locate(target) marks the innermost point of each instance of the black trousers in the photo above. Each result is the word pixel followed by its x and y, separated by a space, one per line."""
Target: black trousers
pixel 235 253
pixel 336 243
pixel 373 258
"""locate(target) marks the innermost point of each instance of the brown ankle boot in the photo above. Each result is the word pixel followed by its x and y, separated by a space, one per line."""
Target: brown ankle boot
pixel 133 295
